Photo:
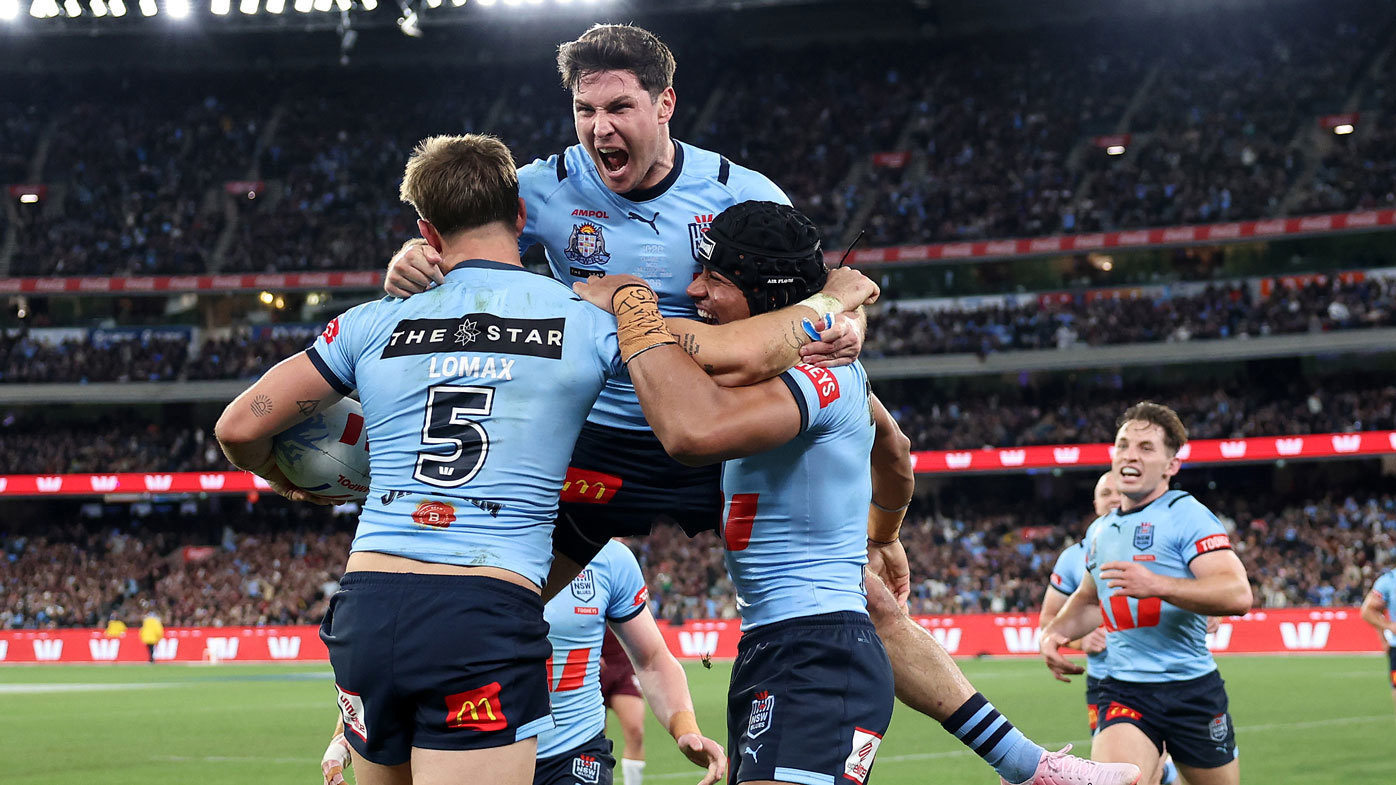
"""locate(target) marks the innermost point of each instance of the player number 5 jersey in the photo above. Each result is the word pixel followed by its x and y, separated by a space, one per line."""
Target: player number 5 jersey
pixel 1152 640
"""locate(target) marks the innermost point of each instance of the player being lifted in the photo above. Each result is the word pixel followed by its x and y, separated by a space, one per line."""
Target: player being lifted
pixel 1067 574
pixel 1379 610
pixel 1159 566
pixel 473 397
pixel 805 454
pixel 609 595
pixel 630 199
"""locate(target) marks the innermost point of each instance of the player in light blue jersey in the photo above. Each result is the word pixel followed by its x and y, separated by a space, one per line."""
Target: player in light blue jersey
pixel 473 396
pixel 1379 610
pixel 1159 566
pixel 1067 574
pixel 610 591
pixel 628 198
pixel 816 472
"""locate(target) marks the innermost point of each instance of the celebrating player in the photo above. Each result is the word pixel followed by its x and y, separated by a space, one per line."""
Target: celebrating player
pixel 1159 565
pixel 608 595
pixel 473 397
pixel 797 483
pixel 630 199
pixel 1379 610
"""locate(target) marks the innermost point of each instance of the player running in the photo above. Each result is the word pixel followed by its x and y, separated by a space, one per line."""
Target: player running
pixel 620 689
pixel 812 688
pixel 608 595
pixel 630 199
pixel 1379 610
pixel 473 397
pixel 1159 566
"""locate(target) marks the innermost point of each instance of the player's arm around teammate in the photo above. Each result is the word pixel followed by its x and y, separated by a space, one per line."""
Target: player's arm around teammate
pixel 665 687
pixel 734 354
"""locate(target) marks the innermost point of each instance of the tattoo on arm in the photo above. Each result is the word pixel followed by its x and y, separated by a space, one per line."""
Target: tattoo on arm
pixel 261 406
pixel 796 338
pixel 307 408
pixel 690 344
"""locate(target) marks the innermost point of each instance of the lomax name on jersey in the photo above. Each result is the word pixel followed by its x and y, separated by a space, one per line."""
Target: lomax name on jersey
pixel 477 332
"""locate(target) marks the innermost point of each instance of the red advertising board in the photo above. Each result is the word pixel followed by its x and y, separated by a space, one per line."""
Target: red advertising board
pixel 1258 448
pixel 1277 631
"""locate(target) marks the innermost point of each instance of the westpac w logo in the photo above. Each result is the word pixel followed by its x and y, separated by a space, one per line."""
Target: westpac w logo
pixel 1305 634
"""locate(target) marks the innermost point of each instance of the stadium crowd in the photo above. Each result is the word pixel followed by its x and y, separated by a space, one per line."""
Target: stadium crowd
pixel 984 141
pixel 279 565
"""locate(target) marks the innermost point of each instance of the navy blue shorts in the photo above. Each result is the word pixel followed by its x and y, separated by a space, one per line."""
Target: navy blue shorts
pixel 440 662
pixel 1391 656
pixel 1188 719
pixel 589 764
pixel 620 482
pixel 1092 702
pixel 809 701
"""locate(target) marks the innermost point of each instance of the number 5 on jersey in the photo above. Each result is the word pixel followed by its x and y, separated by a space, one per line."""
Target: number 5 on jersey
pixel 447 422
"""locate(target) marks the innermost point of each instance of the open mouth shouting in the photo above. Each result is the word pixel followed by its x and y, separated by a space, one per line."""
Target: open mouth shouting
pixel 1130 472
pixel 615 162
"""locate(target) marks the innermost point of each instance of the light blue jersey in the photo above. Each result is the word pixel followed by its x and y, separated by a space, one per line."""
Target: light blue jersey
pixel 610 589
pixel 1067 574
pixel 1386 587
pixel 588 229
pixel 795 518
pixel 1152 640
pixel 473 396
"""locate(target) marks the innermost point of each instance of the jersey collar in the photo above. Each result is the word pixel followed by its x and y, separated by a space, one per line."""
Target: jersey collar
pixel 486 264
pixel 1160 498
pixel 658 189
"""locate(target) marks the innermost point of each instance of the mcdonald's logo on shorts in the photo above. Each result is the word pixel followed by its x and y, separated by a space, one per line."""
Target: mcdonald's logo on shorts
pixel 583 486
pixel 477 709
pixel 1119 711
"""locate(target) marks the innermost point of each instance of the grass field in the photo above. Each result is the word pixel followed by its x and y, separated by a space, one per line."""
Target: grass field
pixel 1306 721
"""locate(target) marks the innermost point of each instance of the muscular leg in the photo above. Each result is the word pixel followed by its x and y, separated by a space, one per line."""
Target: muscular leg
pixel 1230 774
pixel 508 765
pixel 370 773
pixel 1125 743
pixel 927 679
pixel 630 710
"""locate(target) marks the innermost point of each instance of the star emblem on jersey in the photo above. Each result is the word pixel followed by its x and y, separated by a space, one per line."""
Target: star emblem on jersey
pixel 587 244
pixel 466 333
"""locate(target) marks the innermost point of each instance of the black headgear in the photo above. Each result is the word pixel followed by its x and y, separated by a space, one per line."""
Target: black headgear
pixel 770 251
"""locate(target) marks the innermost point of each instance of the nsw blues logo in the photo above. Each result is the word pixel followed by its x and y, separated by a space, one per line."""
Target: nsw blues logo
pixel 586 768
pixel 584 587
pixel 697 233
pixel 587 244
pixel 1144 536
pixel 760 720
pixel 1217 728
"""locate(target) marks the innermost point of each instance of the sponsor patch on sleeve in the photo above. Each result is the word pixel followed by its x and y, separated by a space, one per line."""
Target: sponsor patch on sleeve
pixel 640 597
pixel 826 385
pixel 1213 542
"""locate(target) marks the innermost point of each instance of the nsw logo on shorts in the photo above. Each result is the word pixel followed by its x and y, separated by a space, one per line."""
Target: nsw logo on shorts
pixel 860 760
pixel 586 768
pixel 760 720
pixel 1217 728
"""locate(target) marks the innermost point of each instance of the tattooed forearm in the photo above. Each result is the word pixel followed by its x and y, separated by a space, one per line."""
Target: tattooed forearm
pixel 797 337
pixel 690 344
pixel 307 408
pixel 261 406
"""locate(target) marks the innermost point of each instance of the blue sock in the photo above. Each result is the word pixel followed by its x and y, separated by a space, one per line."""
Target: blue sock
pixel 1170 773
pixel 979 726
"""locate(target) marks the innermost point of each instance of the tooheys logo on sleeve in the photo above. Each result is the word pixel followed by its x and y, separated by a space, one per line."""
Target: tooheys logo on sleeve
pixel 477 332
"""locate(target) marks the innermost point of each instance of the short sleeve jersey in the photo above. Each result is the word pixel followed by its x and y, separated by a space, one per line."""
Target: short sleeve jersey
pixel 610 589
pixel 795 518
pixel 1152 640
pixel 473 395
pixel 1386 588
pixel 1067 574
pixel 588 229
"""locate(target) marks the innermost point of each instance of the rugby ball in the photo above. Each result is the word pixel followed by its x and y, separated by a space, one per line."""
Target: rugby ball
pixel 327 454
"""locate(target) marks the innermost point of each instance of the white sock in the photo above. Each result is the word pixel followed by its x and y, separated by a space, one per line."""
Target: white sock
pixel 632 772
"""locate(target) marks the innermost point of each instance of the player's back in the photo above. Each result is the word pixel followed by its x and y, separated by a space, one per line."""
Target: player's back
pixel 795 518
pixel 588 230
pixel 473 396
pixel 1151 640
pixel 611 588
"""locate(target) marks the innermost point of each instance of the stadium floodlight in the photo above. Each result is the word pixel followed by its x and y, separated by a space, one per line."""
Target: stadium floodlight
pixel 344 5
pixel 9 9
pixel 248 7
pixel 30 198
pixel 1115 149
pixel 99 8
pixel 43 9
pixel 117 7
pixel 148 7
pixel 433 3
pixel 323 5
pixel 221 7
pixel 72 8
pixel 370 5
pixel 303 6
pixel 275 6
pixel 457 3
pixel 1343 129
